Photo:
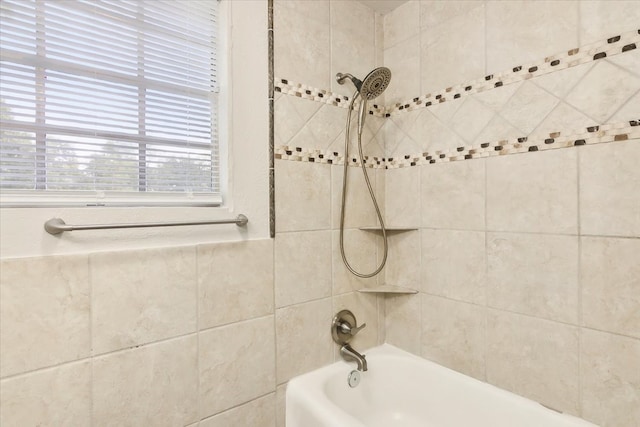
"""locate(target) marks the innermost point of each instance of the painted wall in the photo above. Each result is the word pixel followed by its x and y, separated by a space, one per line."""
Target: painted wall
pixel 526 254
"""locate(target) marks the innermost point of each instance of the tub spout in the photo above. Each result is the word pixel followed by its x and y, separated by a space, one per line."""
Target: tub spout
pixel 349 353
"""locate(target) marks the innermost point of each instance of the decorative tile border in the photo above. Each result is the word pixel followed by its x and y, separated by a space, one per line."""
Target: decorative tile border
pixel 612 46
pixel 320 95
pixel 592 135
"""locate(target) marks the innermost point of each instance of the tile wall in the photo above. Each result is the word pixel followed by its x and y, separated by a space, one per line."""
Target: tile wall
pixel 526 263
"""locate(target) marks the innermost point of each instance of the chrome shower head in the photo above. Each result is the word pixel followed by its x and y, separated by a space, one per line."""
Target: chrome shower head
pixel 375 83
pixel 372 86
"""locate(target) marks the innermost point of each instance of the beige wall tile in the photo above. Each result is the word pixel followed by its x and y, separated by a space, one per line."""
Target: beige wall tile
pixel 365 308
pixel 361 251
pixel 402 322
pixel 533 192
pixel 535 358
pixel 302 45
pixel 610 202
pixel 151 385
pixel 303 196
pixel 515 36
pixel 359 210
pixel 59 396
pixel 403 60
pixel 235 282
pixel 529 106
pixel 303 338
pixel 470 119
pixel 237 364
pixel 281 399
pixel 402 198
pixel 401 23
pixel 436 12
pixel 453 334
pixel 44 312
pixel 257 413
pixel 610 372
pixel 601 19
pixel 610 278
pixel 454 195
pixel 403 260
pixel 535 274
pixel 142 296
pixel 454 264
pixel 603 91
pixel 453 53
pixel 352 46
pixel 302 266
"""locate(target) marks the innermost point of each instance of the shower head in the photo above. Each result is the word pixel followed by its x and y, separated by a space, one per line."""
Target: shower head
pixel 373 84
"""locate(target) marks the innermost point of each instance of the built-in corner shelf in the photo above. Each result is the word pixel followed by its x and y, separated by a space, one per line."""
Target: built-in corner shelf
pixel 388 289
pixel 389 229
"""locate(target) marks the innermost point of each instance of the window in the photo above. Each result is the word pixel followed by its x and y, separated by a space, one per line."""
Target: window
pixel 109 102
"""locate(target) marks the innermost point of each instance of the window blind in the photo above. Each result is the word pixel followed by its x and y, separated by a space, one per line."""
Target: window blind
pixel 109 101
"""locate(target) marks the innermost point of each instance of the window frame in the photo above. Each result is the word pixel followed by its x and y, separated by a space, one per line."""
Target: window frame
pixel 17 198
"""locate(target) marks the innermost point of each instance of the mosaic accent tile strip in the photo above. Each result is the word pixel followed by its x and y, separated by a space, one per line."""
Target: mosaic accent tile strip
pixel 300 90
pixel 299 154
pixel 591 135
pixel 612 46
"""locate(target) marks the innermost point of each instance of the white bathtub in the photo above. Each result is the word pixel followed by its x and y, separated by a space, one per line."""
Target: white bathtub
pixel 403 390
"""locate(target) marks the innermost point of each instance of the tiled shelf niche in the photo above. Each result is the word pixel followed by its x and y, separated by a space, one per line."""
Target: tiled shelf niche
pixel 389 289
pixel 378 229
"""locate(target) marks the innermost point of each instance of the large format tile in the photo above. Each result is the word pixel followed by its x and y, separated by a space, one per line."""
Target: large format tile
pixel 359 209
pixel 59 396
pixel 454 195
pixel 603 91
pixel 535 358
pixel 453 53
pixel 610 278
pixel 303 338
pixel 142 296
pixel 403 197
pixel 44 312
pixel 453 334
pixel 529 106
pixel 352 47
pixel 403 259
pixel 235 282
pixel 609 182
pixel 401 23
pixel 237 364
pixel 610 372
pixel 402 322
pixel 454 264
pixel 403 60
pixel 154 385
pixel 533 192
pixel 601 19
pixel 360 248
pixel 302 266
pixel 303 196
pixel 302 46
pixel 257 413
pixel 535 274
pixel 519 32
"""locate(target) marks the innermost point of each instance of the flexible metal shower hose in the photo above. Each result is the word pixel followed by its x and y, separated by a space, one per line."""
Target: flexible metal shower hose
pixel 344 193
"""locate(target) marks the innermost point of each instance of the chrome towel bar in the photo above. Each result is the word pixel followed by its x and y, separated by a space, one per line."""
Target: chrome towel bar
pixel 57 225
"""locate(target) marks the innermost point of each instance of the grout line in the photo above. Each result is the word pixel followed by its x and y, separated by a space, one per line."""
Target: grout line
pixel 91 334
pixel 208 417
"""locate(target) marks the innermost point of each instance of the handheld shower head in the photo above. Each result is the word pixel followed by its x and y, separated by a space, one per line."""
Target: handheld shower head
pixel 373 84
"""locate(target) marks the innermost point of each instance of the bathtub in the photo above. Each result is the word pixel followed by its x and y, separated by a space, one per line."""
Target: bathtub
pixel 403 390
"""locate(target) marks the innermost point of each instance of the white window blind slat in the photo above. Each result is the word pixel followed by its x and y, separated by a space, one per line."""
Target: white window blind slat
pixel 106 99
